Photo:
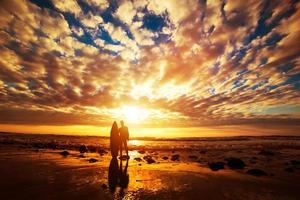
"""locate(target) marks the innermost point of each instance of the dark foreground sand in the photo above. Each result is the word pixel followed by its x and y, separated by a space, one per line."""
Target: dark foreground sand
pixel 45 174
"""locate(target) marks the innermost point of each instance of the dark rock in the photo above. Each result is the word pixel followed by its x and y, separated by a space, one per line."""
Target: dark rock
pixel 64 153
pixel 93 160
pixel 289 169
pixel 149 159
pixel 256 172
pixel 253 161
pixel 104 186
pixel 165 158
pixel 138 159
pixel 102 151
pixel 201 161
pixel 81 156
pixel 286 163
pixel 141 151
pixel 193 157
pixel 52 146
pixel 175 157
pixel 235 163
pixel 92 149
pixel 202 152
pixel 295 162
pixel 83 149
pixel 215 166
pixel 240 151
pixel 124 157
pixel 140 164
pixel 38 145
pixel 266 153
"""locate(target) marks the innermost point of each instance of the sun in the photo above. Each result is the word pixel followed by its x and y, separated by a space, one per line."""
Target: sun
pixel 134 114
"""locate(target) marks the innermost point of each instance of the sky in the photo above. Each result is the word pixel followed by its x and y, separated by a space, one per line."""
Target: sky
pixel 78 65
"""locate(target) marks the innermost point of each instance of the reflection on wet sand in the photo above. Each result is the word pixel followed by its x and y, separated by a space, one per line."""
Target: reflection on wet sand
pixel 117 176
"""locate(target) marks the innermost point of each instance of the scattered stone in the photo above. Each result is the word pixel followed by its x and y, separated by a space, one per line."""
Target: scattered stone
pixel 149 159
pixel 124 157
pixel 266 153
pixel 93 160
pixel 193 157
pixel 289 169
pixel 256 172
pixel 165 158
pixel 52 146
pixel 140 164
pixel 286 163
pixel 83 149
pixel 295 162
pixel 138 159
pixel 104 186
pixel 253 161
pixel 201 161
pixel 64 153
pixel 235 163
pixel 102 151
pixel 141 151
pixel 215 166
pixel 92 149
pixel 175 157
pixel 202 152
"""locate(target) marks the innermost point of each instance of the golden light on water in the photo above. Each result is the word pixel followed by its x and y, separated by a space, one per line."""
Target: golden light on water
pixel 135 142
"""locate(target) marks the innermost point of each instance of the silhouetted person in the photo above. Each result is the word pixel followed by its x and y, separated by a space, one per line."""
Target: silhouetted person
pixel 113 174
pixel 124 136
pixel 114 140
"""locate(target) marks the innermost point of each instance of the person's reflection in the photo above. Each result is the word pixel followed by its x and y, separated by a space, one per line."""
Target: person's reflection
pixel 118 176
pixel 113 174
pixel 123 177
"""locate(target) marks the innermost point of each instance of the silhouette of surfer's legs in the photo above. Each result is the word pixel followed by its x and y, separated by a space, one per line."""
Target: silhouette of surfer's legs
pixel 121 144
pixel 125 146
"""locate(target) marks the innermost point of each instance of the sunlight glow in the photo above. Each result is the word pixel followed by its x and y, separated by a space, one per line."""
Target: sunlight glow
pixel 134 114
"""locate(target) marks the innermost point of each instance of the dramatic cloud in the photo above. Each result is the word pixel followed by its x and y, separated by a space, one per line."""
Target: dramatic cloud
pixel 178 63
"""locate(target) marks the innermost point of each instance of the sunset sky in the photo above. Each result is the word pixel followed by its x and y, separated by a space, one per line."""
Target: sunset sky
pixel 184 66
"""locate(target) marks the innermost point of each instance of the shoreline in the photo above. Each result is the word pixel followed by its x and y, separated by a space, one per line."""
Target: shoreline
pixel 35 165
pixel 204 138
pixel 32 173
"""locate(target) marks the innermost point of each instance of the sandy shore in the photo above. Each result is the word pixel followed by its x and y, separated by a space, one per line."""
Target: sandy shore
pixel 46 174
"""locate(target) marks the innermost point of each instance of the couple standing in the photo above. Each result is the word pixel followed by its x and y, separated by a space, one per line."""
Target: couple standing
pixel 118 139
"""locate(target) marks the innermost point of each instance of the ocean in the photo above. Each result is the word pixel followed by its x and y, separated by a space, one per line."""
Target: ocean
pixel 43 141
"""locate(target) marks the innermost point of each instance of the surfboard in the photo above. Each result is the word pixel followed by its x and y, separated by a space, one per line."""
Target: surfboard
pixel 114 140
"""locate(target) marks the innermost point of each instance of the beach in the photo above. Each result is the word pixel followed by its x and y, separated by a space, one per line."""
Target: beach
pixel 268 170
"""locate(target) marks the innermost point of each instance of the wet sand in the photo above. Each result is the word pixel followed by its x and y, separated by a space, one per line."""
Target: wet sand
pixel 46 174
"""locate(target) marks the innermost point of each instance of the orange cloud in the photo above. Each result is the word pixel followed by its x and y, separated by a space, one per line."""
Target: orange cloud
pixel 196 63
